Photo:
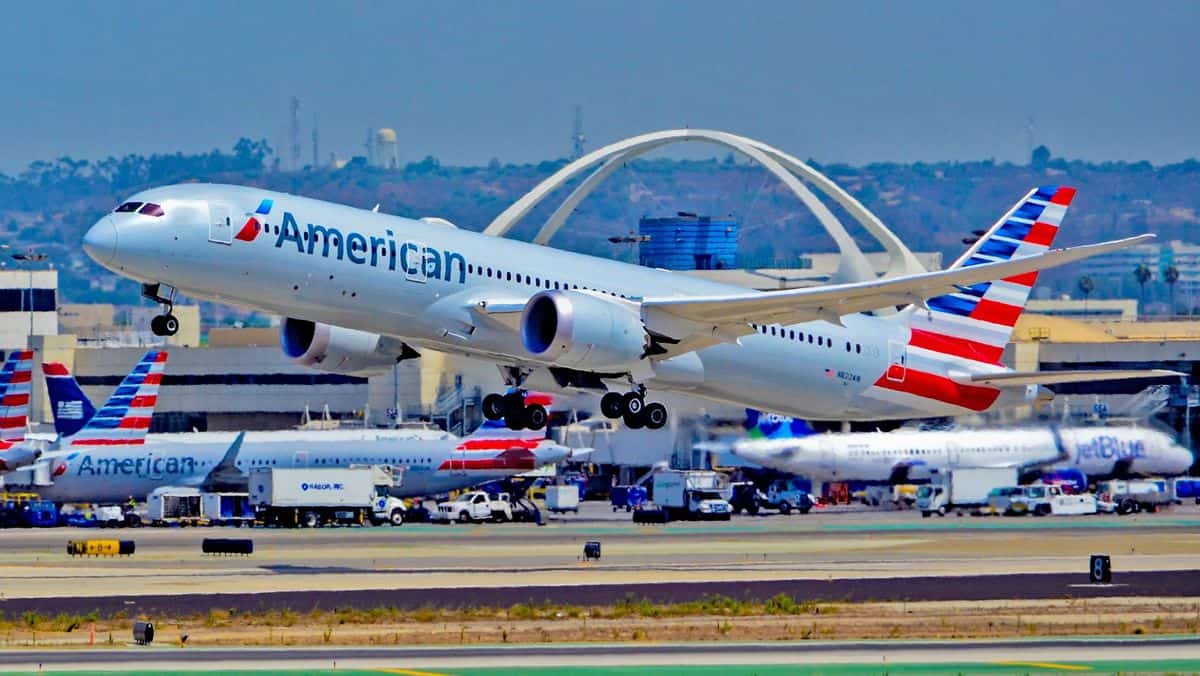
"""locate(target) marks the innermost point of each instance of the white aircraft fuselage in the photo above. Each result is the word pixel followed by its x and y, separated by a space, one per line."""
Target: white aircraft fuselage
pixel 911 454
pixel 424 284
pixel 431 462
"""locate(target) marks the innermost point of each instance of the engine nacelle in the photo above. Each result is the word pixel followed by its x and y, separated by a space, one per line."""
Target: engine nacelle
pixel 22 454
pixel 580 330
pixel 335 349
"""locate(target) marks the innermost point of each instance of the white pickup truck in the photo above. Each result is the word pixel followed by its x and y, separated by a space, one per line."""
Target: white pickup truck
pixel 473 507
pixel 1041 500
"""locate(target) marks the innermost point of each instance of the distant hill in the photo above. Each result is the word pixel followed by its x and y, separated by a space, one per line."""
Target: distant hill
pixel 932 206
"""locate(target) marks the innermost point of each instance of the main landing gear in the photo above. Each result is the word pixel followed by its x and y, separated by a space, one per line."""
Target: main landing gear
pixel 165 324
pixel 516 414
pixel 633 409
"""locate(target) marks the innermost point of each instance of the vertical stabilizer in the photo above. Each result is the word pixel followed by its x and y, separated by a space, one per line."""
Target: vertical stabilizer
pixel 977 322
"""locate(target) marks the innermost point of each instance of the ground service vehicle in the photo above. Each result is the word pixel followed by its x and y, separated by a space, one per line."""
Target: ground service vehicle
pixel 474 506
pixel 690 494
pixel 563 498
pixel 1133 495
pixel 962 488
pixel 787 495
pixel 312 497
pixel 1185 488
pixel 227 509
pixel 1043 499
pixel 174 506
pixel 628 497
pixel 1000 499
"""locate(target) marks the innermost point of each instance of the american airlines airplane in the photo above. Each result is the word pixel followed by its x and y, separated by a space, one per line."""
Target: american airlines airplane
pixel 15 381
pixel 362 290
pixel 97 466
pixel 906 455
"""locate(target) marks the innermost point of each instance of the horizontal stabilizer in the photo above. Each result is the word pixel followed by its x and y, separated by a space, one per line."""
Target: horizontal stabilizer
pixel 1024 378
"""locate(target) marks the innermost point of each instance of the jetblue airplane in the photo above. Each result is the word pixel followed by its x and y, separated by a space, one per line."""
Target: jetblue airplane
pixel 906 455
pixel 432 462
pixel 362 290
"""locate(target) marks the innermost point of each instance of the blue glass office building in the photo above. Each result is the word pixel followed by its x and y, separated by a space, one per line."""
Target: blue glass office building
pixel 688 242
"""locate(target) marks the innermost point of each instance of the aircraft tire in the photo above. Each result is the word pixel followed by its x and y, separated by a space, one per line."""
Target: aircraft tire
pixel 634 421
pixel 536 417
pixel 515 419
pixel 170 324
pixel 493 406
pixel 633 403
pixel 612 405
pixel 156 326
pixel 655 415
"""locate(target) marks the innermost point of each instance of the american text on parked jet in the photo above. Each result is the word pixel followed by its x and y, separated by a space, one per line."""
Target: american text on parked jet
pixel 363 290
pixel 95 465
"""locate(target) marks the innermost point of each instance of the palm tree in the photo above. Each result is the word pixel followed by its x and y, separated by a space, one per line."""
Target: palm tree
pixel 1143 275
pixel 1170 276
pixel 1086 287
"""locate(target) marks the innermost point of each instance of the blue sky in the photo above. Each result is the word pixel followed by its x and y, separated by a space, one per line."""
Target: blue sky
pixel 837 81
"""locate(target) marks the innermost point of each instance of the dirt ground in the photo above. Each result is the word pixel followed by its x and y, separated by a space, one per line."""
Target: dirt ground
pixel 714 619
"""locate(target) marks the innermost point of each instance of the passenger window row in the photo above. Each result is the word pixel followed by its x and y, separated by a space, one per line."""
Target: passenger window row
pixel 800 336
pixel 519 278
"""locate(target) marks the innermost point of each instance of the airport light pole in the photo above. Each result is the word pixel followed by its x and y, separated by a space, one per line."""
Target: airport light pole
pixel 31 257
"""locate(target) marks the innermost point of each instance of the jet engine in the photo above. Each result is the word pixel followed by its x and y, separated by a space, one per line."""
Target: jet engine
pixel 334 349
pixel 22 454
pixel 580 330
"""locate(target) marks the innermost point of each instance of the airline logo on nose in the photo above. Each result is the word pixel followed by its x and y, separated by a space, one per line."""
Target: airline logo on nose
pixel 252 227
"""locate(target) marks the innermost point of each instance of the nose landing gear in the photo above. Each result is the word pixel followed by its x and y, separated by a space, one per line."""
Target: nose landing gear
pixel 165 324
pixel 633 409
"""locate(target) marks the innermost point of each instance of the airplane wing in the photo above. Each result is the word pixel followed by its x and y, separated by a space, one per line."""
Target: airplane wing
pixel 724 318
pixel 226 476
pixel 1023 378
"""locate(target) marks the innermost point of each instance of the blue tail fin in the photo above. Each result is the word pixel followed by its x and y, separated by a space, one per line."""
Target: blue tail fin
pixel 761 425
pixel 72 408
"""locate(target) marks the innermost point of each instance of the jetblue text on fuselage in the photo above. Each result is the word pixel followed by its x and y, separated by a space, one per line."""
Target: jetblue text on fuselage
pixel 1111 447
pixel 359 249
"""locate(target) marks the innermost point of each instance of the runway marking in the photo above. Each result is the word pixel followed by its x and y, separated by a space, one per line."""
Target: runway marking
pixel 411 672
pixel 1048 665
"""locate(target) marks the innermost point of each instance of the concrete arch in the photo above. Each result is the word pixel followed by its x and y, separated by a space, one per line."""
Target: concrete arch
pixel 853 265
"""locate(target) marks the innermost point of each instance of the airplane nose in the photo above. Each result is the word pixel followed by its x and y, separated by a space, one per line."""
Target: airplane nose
pixel 100 241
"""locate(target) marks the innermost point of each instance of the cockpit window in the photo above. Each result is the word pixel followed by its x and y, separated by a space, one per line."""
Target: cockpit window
pixel 151 209
pixel 128 207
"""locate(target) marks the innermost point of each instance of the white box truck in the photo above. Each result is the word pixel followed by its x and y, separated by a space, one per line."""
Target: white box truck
pixel 563 498
pixel 687 494
pixel 312 497
pixel 962 488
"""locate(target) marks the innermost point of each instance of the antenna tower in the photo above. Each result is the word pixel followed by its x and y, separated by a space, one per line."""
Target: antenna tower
pixel 577 137
pixel 294 135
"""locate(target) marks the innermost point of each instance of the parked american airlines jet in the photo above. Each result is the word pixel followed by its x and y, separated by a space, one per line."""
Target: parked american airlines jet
pixel 431 461
pixel 362 290
pixel 906 455
pixel 15 381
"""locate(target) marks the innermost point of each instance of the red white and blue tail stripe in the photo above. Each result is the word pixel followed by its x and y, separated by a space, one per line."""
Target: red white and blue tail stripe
pixel 977 322
pixel 15 381
pixel 125 418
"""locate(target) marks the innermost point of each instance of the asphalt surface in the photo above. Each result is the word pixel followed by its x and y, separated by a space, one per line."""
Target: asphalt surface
pixel 1174 583
pixel 1046 653
pixel 829 555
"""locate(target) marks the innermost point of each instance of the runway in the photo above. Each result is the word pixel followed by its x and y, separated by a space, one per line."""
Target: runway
pixel 1001 656
pixel 849 555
